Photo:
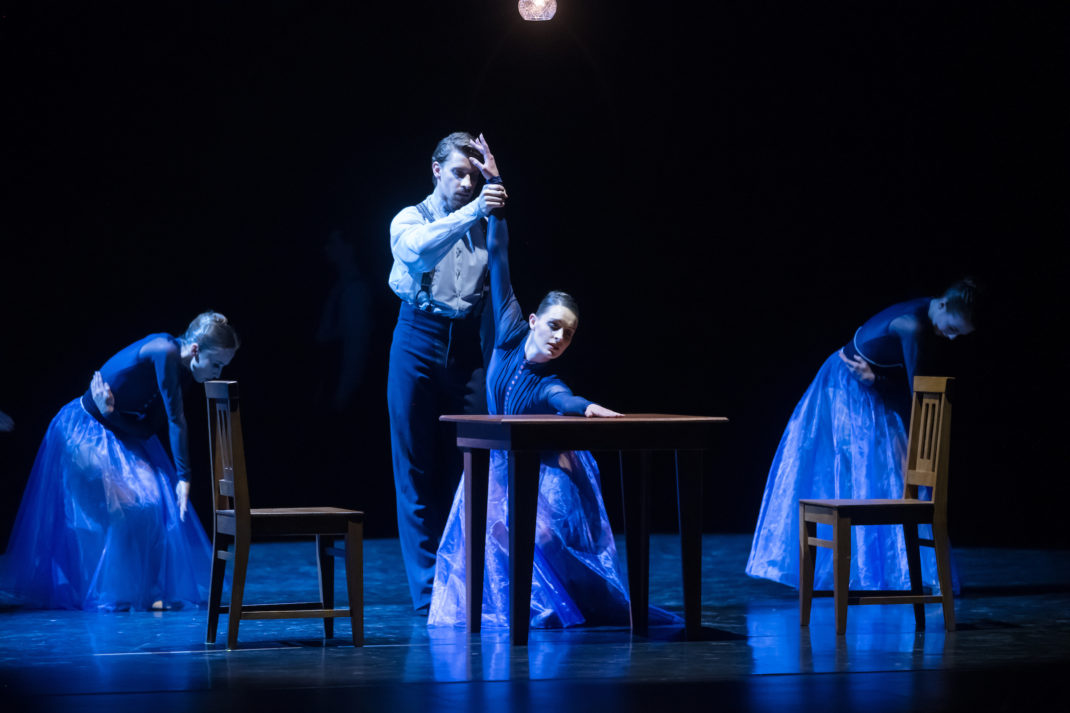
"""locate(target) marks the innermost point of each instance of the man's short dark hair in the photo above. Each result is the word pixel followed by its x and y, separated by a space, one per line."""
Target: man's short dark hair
pixel 457 141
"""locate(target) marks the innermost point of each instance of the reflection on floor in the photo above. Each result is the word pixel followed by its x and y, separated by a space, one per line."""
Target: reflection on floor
pixel 1010 653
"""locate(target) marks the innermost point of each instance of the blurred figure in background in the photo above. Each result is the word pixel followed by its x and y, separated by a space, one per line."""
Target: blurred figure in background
pixel 344 326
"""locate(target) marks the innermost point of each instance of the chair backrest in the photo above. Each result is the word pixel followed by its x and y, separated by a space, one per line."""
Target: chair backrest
pixel 230 489
pixel 929 439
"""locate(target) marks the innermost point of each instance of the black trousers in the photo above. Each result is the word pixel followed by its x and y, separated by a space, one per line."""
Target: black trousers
pixel 436 367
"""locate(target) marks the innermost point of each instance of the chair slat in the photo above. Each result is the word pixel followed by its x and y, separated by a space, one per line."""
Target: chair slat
pixel 917 477
pixel 896 599
pixel 294 610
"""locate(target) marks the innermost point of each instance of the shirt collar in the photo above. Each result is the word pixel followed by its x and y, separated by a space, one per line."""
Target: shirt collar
pixel 438 205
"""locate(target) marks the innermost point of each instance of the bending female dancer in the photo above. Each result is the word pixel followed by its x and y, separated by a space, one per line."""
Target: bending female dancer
pixel 847 439
pixel 104 523
pixel 577 577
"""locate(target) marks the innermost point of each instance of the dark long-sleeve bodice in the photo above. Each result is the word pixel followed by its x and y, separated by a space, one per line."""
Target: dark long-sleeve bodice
pixel 892 338
pixel 516 385
pixel 147 380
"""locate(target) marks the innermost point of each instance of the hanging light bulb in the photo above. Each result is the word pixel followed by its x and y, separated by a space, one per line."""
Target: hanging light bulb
pixel 536 10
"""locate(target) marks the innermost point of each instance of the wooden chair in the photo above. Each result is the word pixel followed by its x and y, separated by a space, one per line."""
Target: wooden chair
pixel 235 523
pixel 927 464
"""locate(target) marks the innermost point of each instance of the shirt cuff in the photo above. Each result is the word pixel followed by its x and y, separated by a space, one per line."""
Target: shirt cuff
pixel 470 211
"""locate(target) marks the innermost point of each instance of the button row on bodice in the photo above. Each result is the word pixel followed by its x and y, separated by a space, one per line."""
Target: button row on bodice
pixel 512 383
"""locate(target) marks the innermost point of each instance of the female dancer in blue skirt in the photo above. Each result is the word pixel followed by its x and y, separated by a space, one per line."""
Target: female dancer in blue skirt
pixel 847 439
pixel 104 523
pixel 577 578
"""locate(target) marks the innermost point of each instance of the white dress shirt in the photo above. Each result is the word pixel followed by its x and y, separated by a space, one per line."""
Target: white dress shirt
pixel 453 248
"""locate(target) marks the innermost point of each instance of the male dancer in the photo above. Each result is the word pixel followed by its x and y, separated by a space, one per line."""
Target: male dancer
pixel 437 355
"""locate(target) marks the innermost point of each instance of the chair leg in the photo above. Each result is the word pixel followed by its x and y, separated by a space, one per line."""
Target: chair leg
pixel 237 589
pixel 325 565
pixel 910 536
pixel 355 579
pixel 807 553
pixel 220 543
pixel 841 570
pixel 943 572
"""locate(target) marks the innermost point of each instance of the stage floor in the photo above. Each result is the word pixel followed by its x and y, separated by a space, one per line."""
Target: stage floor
pixel 1010 653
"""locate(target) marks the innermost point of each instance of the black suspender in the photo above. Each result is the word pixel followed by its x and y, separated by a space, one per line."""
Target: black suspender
pixel 423 297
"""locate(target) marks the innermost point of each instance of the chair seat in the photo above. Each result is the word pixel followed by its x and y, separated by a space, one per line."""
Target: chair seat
pixel 293 521
pixel 874 512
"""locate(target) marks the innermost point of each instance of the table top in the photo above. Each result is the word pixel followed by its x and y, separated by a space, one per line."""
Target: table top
pixel 639 431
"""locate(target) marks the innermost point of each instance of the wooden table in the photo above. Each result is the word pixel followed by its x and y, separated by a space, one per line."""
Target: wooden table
pixel 524 437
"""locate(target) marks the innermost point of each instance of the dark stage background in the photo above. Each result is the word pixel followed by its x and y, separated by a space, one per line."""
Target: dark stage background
pixel 729 188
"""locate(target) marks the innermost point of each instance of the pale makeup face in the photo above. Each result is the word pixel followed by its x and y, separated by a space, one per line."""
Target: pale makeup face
pixel 458 180
pixel 949 324
pixel 551 332
pixel 207 364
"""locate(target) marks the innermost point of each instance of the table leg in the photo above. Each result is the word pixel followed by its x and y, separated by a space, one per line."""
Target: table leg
pixel 476 476
pixel 635 492
pixel 523 502
pixel 689 504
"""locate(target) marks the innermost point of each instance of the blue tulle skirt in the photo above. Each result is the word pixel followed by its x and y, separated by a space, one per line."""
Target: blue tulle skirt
pixel 577 578
pixel 98 527
pixel 844 440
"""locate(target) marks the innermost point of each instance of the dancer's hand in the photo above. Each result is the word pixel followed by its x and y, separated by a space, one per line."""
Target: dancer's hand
pixel 492 196
pixel 860 368
pixel 488 166
pixel 6 422
pixel 182 493
pixel 594 410
pixel 102 395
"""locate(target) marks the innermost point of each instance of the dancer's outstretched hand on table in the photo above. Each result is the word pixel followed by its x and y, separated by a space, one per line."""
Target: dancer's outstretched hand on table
pixel 596 411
